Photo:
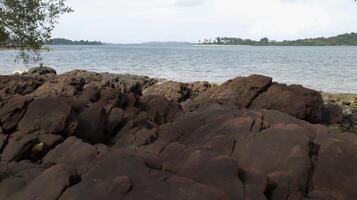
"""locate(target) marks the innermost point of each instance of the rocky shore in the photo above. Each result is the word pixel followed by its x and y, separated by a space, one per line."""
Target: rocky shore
pixel 347 103
pixel 85 135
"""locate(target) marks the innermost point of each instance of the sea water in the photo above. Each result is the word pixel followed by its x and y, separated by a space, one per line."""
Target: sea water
pixel 329 69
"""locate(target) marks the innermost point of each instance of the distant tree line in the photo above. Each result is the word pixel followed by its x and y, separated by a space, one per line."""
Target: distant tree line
pixel 348 39
pixel 61 41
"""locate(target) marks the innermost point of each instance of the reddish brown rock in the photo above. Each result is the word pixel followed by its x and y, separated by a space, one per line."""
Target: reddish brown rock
pixel 239 92
pixel 102 182
pixel 21 85
pixel 281 154
pixel 75 152
pixel 124 184
pixel 335 174
pixel 332 114
pixel 12 111
pixel 154 150
pixel 49 185
pixel 115 120
pixel 52 115
pixel 15 176
pixel 160 110
pixel 72 83
pixel 294 100
pixel 176 91
pixel 28 146
pixel 91 124
pixel 18 147
pixel 41 71
pixel 3 140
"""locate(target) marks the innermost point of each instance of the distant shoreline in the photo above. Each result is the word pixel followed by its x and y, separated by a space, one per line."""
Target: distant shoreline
pixel 62 41
pixel 348 39
pixel 235 45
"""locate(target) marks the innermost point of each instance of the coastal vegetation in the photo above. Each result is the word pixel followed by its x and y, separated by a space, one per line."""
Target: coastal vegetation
pixel 62 41
pixel 27 24
pixel 348 39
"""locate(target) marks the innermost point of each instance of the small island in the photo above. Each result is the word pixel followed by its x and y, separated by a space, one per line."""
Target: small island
pixel 348 39
pixel 62 41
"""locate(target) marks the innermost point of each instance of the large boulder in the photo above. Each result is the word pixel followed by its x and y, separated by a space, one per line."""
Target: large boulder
pixel 294 100
pixel 335 174
pixel 258 92
pixel 75 152
pixel 12 111
pixel 33 146
pixel 91 124
pixel 51 115
pixel 239 92
pixel 277 156
pixel 49 185
pixel 15 176
pixel 216 145
pixel 159 109
pixel 125 175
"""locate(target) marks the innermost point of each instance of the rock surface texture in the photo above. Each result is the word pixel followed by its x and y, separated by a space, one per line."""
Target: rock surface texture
pixel 84 135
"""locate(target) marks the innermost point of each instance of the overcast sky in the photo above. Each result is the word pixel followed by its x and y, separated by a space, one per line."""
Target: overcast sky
pixel 132 21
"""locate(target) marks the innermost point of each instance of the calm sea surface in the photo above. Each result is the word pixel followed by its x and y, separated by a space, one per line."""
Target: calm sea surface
pixel 330 69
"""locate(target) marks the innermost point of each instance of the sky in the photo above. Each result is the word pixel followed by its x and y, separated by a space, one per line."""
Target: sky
pixel 136 21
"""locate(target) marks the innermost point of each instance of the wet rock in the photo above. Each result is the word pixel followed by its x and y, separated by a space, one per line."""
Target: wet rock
pixel 12 111
pixel 75 152
pixel 53 115
pixel 294 100
pixel 56 179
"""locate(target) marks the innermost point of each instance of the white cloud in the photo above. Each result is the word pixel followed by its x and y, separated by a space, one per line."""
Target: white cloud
pixel 191 20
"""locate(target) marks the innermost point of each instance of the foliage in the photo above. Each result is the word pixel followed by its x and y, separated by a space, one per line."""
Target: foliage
pixel 29 23
pixel 348 39
pixel 3 36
